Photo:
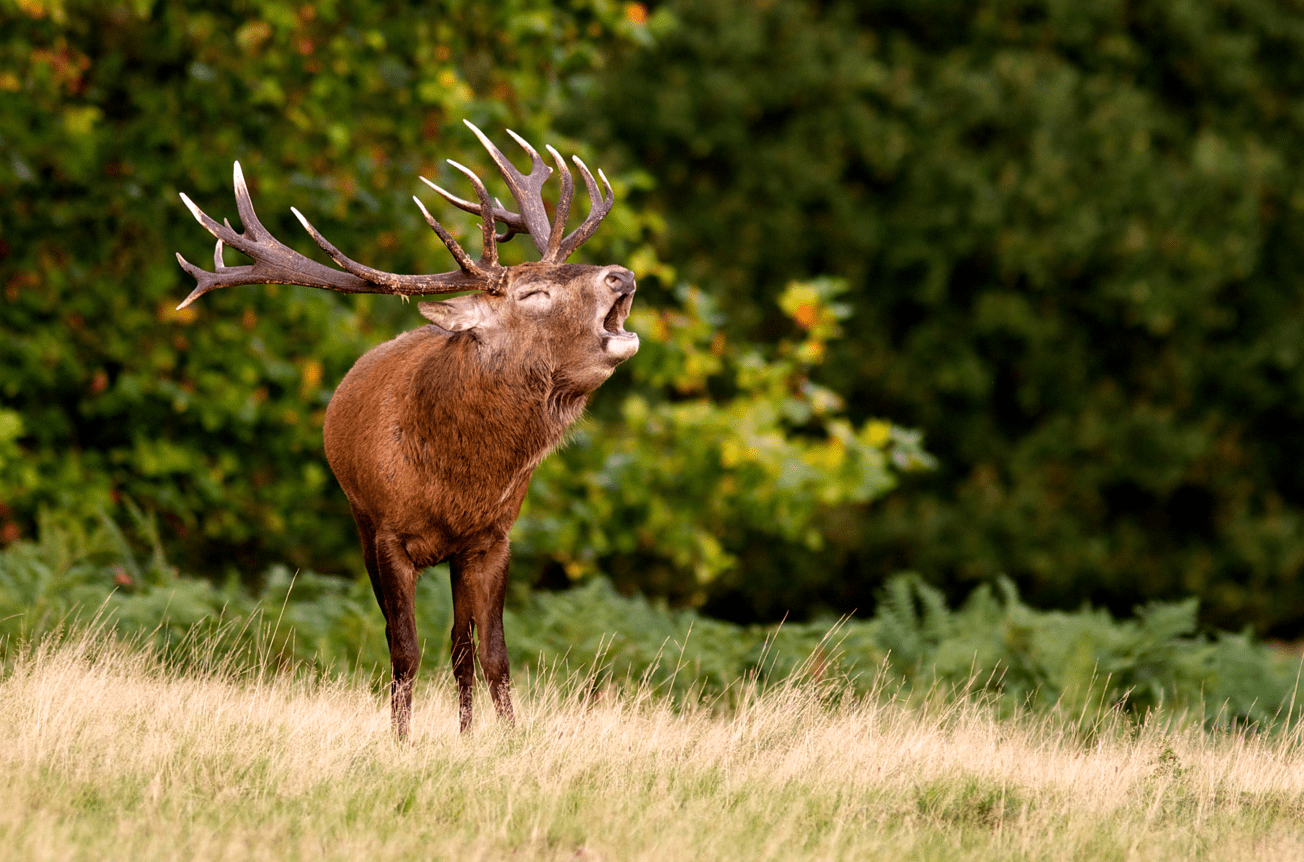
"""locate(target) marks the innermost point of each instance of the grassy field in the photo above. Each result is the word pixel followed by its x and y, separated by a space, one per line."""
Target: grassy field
pixel 107 754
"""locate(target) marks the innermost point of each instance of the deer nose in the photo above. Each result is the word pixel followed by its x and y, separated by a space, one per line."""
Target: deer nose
pixel 620 280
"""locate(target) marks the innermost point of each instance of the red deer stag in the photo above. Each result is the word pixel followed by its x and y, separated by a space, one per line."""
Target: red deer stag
pixel 434 435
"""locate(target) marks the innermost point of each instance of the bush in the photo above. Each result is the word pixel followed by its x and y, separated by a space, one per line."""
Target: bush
pixel 1071 234
pixel 720 449
pixel 211 416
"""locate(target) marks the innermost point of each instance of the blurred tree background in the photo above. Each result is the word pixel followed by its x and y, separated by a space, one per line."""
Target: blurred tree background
pixel 1056 239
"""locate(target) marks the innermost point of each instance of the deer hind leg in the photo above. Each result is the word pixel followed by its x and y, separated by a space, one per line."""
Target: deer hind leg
pixel 479 589
pixel 394 580
pixel 367 536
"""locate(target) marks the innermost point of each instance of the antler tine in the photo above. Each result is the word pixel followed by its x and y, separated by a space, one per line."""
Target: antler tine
pixel 489 243
pixel 224 233
pixel 599 206
pixel 463 259
pixel 527 189
pixel 244 205
pixel 203 276
pixel 559 217
pixel 515 224
pixel 207 280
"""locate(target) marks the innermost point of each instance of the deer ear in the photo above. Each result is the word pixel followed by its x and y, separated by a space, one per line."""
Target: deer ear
pixel 455 315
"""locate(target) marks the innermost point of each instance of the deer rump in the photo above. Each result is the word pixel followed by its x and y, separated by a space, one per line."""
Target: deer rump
pixel 434 435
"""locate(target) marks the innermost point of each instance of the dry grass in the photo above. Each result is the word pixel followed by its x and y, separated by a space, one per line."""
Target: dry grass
pixel 106 755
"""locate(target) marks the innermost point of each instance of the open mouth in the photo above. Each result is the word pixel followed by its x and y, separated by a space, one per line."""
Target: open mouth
pixel 618 344
pixel 614 323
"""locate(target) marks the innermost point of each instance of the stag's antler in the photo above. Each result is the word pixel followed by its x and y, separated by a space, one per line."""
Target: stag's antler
pixel 276 263
pixel 527 189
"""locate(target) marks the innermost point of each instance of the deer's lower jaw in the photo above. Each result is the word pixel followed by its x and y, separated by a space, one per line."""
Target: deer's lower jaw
pixel 620 345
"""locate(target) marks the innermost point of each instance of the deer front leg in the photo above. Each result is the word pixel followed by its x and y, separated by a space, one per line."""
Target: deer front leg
pixel 463 654
pixel 479 590
pixel 395 586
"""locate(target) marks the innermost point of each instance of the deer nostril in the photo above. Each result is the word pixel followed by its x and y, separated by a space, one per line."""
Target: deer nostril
pixel 621 281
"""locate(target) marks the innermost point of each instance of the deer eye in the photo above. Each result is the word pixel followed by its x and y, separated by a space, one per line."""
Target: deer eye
pixel 536 295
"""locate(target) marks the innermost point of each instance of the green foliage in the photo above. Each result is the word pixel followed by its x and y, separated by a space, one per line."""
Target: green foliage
pixel 1072 233
pixel 1081 661
pixel 1078 665
pixel 1061 241
pixel 211 416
